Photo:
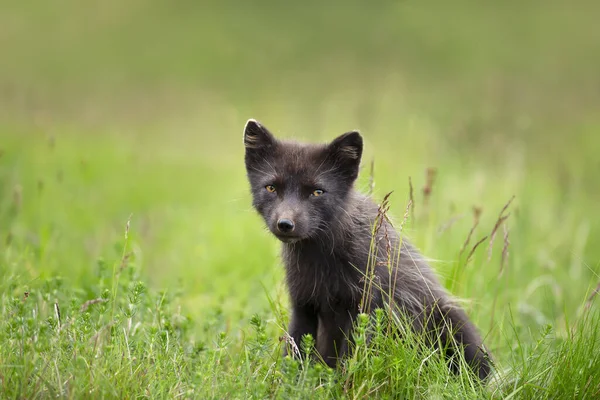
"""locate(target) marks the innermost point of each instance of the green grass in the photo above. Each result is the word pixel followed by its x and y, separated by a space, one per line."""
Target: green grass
pixel 132 115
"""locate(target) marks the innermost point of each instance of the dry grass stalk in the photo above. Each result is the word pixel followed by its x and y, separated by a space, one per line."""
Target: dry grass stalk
pixel 290 341
pixel 126 255
pixel 384 207
pixel 396 257
pixel 89 303
pixel 590 299
pixel 501 219
pixel 475 248
pixel 428 188
pixel 57 315
pixel 476 216
pixel 504 250
pixel 411 200
pixel 501 272
pixel 127 226
pixel 405 216
pixel 125 261
pixel 381 216
pixel 369 275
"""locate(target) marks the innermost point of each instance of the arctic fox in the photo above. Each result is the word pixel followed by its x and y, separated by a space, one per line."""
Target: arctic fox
pixel 305 194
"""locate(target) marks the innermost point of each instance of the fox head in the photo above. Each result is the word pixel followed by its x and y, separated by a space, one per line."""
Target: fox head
pixel 300 189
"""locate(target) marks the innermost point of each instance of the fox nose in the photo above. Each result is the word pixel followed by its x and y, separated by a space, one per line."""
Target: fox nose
pixel 285 225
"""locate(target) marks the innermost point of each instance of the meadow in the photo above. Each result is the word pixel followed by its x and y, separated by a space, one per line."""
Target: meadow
pixel 133 266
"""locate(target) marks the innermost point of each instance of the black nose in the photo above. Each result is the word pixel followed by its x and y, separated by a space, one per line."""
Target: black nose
pixel 285 225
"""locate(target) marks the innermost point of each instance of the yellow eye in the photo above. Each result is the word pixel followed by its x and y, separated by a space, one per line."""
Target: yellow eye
pixel 270 188
pixel 317 192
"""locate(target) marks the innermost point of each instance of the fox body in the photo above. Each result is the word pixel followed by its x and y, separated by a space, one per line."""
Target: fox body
pixel 305 194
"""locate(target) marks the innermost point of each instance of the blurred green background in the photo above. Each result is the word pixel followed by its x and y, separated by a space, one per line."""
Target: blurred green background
pixel 117 108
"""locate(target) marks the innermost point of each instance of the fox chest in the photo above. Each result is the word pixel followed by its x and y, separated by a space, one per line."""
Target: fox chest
pixel 322 282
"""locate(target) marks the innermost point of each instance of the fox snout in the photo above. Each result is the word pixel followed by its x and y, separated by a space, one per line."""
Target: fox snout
pixel 285 225
pixel 288 224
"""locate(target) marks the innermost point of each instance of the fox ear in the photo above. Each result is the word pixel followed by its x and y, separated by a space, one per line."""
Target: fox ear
pixel 347 152
pixel 257 136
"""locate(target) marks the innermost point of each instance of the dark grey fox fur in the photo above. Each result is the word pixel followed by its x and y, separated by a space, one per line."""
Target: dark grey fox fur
pixel 305 194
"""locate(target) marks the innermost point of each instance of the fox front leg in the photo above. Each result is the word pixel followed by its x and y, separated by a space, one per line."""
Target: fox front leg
pixel 336 331
pixel 304 321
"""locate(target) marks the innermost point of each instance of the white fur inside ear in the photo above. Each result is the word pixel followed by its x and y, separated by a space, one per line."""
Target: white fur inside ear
pixel 257 135
pixel 348 145
pixel 350 152
pixel 250 121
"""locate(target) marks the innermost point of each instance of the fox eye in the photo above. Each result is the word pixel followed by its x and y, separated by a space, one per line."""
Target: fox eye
pixel 270 188
pixel 317 192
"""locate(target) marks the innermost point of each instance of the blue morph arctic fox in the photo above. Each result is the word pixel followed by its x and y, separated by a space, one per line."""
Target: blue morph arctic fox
pixel 305 194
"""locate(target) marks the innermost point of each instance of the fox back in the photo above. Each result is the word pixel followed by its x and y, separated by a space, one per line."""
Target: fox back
pixel 305 194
